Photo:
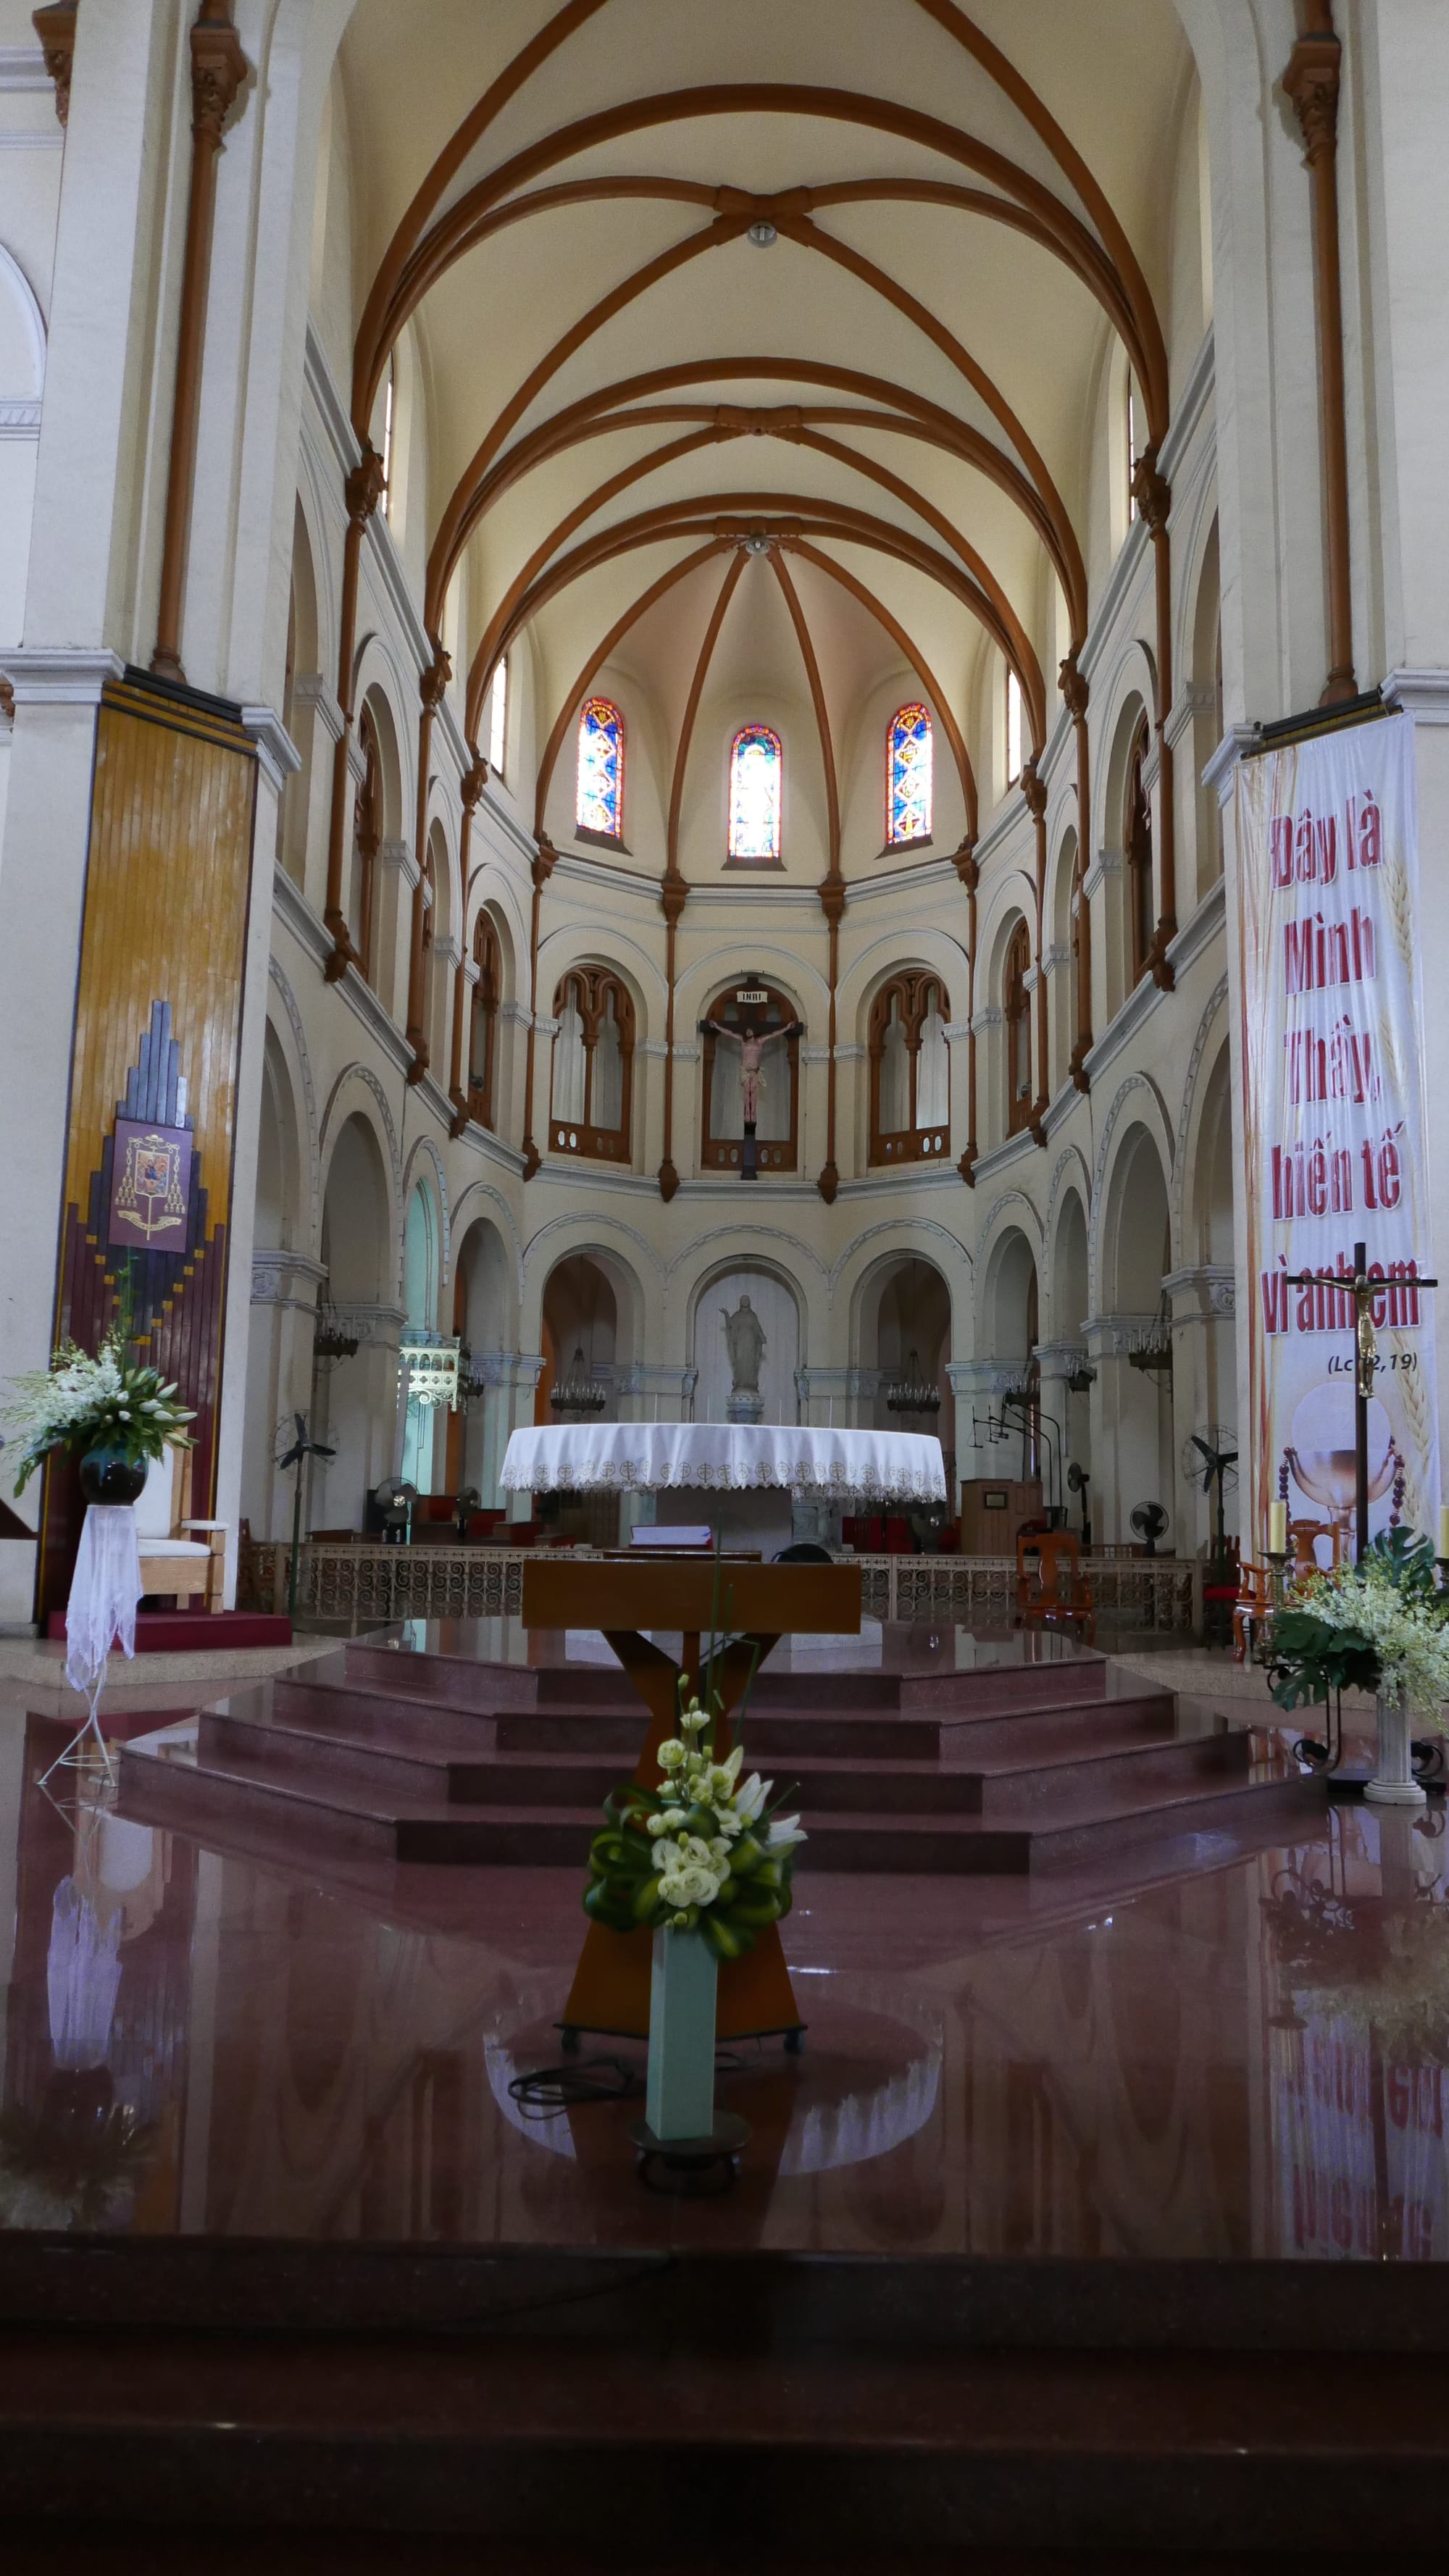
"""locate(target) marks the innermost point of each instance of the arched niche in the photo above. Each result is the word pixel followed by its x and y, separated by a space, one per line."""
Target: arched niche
pixel 355 1402
pixel 910 1069
pixel 1063 987
pixel 905 1335
pixel 741 1009
pixel 1136 1405
pixel 279 1223
pixel 776 1300
pixel 591 1083
pixel 484 1319
pixel 1010 1300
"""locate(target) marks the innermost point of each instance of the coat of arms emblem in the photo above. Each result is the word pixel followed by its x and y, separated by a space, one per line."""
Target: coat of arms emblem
pixel 151 1175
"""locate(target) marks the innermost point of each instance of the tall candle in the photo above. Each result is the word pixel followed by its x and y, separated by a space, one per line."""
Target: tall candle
pixel 1277 1529
pixel 1444 1529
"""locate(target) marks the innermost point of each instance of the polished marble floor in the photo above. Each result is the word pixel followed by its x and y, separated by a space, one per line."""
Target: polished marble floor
pixel 1209 2050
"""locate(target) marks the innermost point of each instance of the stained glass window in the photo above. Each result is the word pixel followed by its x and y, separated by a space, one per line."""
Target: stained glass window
pixel 756 765
pixel 599 805
pixel 908 776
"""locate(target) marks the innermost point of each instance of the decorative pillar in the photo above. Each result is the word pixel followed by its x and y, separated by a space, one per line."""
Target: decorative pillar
pixel 218 69
pixel 673 896
pixel 431 688
pixel 545 861
pixel 832 904
pixel 1153 495
pixel 1033 789
pixel 1075 697
pixel 465 973
pixel 363 491
pixel 1311 82
pixel 970 876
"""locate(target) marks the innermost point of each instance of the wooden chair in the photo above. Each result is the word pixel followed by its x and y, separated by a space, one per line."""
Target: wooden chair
pixel 1254 1596
pixel 180 1558
pixel 1050 1592
pixel 1302 1535
pixel 1221 1586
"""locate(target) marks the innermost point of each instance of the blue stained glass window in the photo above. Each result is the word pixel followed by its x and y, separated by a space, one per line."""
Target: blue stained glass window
pixel 756 769
pixel 599 804
pixel 908 776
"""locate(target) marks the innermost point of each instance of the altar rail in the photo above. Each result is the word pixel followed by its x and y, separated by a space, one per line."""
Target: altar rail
pixel 367 1585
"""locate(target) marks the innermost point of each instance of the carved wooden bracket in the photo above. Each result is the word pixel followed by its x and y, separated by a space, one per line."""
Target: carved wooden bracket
pixel 55 26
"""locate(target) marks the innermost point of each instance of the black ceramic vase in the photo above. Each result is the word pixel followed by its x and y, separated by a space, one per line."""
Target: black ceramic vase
pixel 107 1476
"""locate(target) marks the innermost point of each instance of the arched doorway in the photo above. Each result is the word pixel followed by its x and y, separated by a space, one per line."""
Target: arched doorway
pixel 579 1339
pixel 355 1401
pixel 1133 1425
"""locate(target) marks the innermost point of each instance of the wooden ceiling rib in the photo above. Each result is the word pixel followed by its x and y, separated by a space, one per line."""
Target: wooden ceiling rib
pixel 527 565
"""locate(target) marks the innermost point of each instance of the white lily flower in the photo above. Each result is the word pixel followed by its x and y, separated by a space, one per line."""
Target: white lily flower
pixel 751 1798
pixel 784 1833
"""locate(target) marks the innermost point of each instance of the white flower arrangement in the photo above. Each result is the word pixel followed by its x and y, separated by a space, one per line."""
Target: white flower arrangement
pixel 1377 1626
pixel 83 1403
pixel 705 1851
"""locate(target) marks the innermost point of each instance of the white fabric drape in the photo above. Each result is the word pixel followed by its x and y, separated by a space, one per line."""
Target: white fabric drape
pixel 650 1457
pixel 104 1591
pixel 608 1101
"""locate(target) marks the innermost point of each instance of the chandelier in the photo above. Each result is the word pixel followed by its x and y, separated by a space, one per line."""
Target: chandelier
pixel 1149 1346
pixel 911 1392
pixel 471 1387
pixel 329 1342
pixel 576 1394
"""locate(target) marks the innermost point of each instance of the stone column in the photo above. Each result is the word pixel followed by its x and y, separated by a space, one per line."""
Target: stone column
pixel 358 1415
pixel 279 1379
pixel 1125 1414
pixel 1058 1362
pixel 1204 1392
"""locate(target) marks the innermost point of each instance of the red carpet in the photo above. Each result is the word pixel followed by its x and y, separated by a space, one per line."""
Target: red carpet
pixel 188 1632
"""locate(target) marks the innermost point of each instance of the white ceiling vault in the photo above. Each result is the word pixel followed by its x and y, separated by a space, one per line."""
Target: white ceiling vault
pixel 840 274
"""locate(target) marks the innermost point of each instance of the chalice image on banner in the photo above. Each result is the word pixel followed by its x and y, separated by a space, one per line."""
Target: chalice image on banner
pixel 1321 1455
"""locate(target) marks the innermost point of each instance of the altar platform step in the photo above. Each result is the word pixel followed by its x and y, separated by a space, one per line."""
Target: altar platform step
pixel 1036 1672
pixel 253 1775
pixel 850 2454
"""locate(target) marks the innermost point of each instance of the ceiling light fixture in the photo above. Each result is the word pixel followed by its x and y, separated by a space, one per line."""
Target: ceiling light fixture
pixel 762 234
pixel 757 543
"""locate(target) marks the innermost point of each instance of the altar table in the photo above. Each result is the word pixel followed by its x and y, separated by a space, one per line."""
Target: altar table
pixel 697 1460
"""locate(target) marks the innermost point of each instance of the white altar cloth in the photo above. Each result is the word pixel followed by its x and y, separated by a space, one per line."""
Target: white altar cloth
pixel 725 1457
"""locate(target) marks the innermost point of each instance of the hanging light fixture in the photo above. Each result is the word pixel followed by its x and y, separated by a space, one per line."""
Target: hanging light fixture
pixel 912 1392
pixel 576 1395
pixel 1149 1346
pixel 329 1342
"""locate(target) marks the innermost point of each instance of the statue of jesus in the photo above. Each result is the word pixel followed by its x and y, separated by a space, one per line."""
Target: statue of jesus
pixel 745 1342
pixel 752 1047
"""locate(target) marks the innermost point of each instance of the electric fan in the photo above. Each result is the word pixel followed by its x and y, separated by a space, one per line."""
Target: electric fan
pixel 1149 1521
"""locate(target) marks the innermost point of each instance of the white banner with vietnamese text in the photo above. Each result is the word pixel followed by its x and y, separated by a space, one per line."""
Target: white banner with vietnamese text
pixel 1334 1127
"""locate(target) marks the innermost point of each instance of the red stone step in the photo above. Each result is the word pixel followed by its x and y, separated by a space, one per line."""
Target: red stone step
pixel 833 2449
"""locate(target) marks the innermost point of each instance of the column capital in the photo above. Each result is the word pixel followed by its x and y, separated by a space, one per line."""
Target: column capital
pixel 277 754
pixel 42 674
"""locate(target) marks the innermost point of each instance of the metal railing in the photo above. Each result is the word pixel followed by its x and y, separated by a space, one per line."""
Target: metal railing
pixel 366 1584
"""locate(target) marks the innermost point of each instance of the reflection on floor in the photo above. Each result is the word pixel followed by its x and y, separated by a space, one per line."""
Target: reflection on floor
pixel 1214 2050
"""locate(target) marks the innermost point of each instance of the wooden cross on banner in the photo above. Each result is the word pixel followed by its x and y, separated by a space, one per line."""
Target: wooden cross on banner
pixel 1363 1290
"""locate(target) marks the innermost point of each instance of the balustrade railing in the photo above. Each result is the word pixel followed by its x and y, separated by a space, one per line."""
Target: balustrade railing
pixel 367 1584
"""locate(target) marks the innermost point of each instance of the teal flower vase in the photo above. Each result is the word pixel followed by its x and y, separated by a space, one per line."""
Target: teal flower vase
pixel 681 2036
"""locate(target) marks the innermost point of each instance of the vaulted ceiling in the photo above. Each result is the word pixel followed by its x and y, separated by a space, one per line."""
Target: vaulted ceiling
pixel 834 274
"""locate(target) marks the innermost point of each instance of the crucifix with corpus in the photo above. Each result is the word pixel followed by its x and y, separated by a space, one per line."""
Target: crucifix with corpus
pixel 1363 1290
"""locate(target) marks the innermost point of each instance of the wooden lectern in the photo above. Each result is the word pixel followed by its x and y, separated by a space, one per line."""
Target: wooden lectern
pixel 756 1606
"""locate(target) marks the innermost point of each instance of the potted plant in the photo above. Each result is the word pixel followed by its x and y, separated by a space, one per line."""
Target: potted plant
pixel 1380 1626
pixel 114 1415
